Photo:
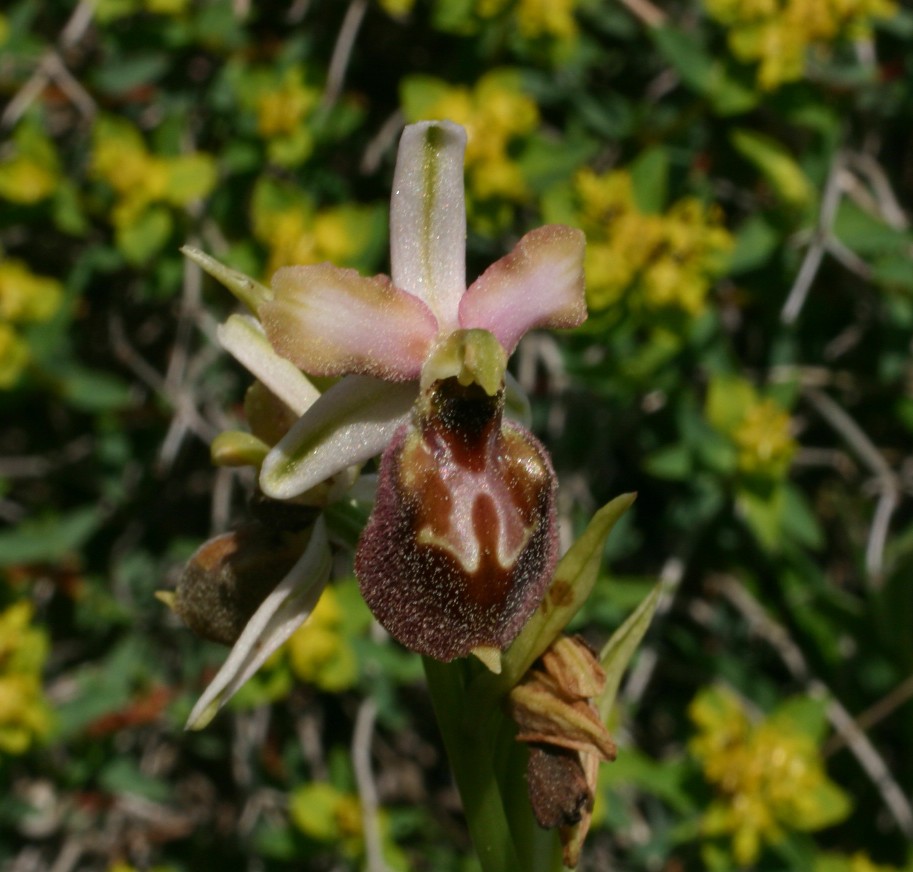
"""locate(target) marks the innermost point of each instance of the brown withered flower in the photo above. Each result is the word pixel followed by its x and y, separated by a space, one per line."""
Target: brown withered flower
pixel 554 710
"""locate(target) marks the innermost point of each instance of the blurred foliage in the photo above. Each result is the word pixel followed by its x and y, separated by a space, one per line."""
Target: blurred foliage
pixel 742 171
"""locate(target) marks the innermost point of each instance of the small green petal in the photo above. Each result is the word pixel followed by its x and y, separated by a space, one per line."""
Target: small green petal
pixel 469 356
pixel 237 448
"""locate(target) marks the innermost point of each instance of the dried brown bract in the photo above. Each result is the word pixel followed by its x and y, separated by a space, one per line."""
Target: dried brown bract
pixel 555 711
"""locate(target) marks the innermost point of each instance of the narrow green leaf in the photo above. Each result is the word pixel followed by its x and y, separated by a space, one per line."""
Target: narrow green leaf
pixel 473 763
pixel 618 651
pixel 48 539
pixel 574 580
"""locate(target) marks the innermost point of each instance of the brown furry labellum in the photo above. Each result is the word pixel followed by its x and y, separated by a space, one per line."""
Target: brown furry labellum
pixel 461 544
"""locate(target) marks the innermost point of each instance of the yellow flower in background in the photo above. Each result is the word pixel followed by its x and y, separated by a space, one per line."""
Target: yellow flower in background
pixel 24 715
pixel 140 178
pixel 553 18
pixel 167 7
pixel 860 862
pixel 764 441
pixel 758 427
pixel 319 652
pixel 149 187
pixel 397 8
pixel 768 774
pixel 658 261
pixel 282 108
pixel 112 10
pixel 29 169
pixel 280 101
pixel 496 114
pixel 296 232
pixel 536 18
pixel 326 814
pixel 14 356
pixel 24 298
pixel 777 34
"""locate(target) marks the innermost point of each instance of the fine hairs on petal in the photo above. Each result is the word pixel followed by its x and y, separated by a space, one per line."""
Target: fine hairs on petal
pixel 539 284
pixel 428 578
pixel 332 321
pixel 349 424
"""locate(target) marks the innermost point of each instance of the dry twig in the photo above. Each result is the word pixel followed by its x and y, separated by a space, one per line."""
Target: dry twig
pixel 367 789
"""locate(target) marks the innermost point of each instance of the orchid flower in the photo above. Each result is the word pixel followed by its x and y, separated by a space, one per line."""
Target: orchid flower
pixel 462 542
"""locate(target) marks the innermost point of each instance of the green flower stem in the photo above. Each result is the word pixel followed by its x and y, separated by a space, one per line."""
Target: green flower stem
pixel 488 763
pixel 489 769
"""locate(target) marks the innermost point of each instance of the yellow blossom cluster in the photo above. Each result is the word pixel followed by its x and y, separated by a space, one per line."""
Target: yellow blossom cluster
pixel 496 114
pixel 24 715
pixel 142 179
pixel 758 427
pixel 24 298
pixel 860 862
pixel 325 813
pixel 536 18
pixel 296 232
pixel 29 168
pixel 319 652
pixel 112 10
pixel 397 8
pixel 659 261
pixel 281 102
pixel 776 34
pixel 768 775
pixel 763 439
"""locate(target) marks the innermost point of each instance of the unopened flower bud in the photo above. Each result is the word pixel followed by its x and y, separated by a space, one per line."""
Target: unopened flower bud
pixel 228 577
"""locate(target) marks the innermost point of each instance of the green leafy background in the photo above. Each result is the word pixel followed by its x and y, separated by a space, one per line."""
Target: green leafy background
pixel 743 174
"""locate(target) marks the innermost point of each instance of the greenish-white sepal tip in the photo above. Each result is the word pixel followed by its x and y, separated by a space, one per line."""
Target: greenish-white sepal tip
pixel 167 597
pixel 280 614
pixel 249 291
pixel 490 657
pixel 237 448
pixel 471 357
pixel 243 338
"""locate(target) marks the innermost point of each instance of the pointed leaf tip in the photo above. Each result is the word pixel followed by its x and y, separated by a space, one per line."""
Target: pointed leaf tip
pixel 250 292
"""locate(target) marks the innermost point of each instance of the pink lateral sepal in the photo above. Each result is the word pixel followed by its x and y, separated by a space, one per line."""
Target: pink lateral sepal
pixel 538 284
pixel 333 321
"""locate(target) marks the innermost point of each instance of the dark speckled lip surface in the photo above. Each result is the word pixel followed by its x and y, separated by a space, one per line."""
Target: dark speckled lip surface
pixel 461 544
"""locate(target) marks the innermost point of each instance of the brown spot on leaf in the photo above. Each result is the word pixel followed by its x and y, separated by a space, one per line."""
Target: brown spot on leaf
pixel 560 593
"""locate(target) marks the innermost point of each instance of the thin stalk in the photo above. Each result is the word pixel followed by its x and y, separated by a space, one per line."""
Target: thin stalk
pixel 472 761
